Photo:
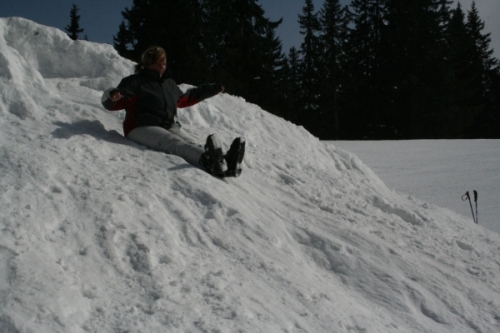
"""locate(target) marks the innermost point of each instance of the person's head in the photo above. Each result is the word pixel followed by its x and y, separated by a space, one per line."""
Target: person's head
pixel 154 58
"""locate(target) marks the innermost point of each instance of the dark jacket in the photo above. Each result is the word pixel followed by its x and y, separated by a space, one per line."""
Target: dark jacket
pixel 151 100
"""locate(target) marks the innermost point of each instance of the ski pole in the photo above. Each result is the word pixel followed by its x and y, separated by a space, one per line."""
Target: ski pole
pixel 466 196
pixel 477 213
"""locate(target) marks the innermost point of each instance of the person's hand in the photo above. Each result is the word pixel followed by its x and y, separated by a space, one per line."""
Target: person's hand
pixel 116 96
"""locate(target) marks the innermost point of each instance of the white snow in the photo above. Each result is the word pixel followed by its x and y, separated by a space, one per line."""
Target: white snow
pixel 99 234
pixel 439 172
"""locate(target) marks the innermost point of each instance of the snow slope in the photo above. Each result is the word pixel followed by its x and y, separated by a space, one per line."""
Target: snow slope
pixel 99 234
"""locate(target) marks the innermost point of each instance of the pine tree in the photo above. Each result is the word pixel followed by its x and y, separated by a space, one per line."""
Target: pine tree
pixel 271 81
pixel 493 115
pixel 367 92
pixel 73 29
pixel 122 40
pixel 461 83
pixel 448 119
pixel 310 50
pixel 485 68
pixel 242 49
pixel 293 87
pixel 482 58
pixel 413 46
pixel 334 21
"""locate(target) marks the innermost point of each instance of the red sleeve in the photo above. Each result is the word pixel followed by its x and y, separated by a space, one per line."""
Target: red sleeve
pixel 187 101
pixel 198 94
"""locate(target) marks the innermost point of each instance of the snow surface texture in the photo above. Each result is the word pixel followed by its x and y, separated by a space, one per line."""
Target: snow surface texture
pixel 102 235
pixel 439 171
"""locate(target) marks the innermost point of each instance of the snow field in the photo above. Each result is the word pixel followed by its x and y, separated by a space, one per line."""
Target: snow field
pixel 439 172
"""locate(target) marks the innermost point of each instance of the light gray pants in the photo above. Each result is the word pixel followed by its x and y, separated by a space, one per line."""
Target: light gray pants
pixel 170 141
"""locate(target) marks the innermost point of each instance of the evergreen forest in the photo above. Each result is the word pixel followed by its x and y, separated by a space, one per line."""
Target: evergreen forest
pixel 370 70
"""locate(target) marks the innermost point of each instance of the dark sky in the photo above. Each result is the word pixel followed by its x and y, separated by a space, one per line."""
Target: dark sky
pixel 101 18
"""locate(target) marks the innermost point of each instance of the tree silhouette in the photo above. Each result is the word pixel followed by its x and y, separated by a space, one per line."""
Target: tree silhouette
pixel 73 29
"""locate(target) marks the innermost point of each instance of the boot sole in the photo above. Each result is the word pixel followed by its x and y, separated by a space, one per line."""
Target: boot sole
pixel 214 149
pixel 237 169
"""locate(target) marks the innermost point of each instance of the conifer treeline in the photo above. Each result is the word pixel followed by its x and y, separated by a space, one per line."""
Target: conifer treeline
pixel 377 69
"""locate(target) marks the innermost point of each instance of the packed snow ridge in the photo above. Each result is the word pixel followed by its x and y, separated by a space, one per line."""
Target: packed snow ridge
pixel 99 234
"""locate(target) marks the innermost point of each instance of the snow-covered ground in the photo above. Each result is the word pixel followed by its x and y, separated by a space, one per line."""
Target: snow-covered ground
pixel 439 172
pixel 99 234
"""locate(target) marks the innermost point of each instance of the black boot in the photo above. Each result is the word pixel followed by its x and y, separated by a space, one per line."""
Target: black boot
pixel 234 157
pixel 212 160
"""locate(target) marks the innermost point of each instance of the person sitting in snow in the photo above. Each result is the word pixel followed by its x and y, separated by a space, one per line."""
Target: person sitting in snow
pixel 150 100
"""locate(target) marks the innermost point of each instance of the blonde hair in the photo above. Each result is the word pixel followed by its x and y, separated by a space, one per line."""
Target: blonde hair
pixel 152 55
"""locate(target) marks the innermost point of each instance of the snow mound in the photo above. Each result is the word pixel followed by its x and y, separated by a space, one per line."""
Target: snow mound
pixel 102 235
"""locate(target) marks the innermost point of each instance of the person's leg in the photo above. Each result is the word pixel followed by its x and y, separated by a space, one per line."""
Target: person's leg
pixel 170 142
